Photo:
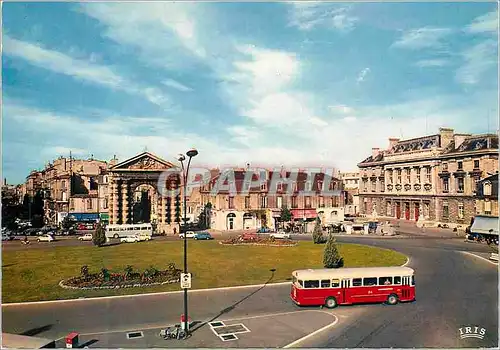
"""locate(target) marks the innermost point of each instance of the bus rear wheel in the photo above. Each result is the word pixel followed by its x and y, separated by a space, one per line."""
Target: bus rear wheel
pixel 116 235
pixel 331 303
pixel 392 299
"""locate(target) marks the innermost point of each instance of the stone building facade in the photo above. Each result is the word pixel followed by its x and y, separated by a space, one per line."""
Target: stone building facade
pixel 432 178
pixel 260 208
pixel 487 196
pixel 350 183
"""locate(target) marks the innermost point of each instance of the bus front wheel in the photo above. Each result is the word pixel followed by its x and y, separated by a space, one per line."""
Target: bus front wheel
pixel 331 302
pixel 116 235
pixel 392 299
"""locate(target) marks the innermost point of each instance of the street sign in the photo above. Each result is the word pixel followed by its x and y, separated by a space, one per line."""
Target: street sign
pixel 185 280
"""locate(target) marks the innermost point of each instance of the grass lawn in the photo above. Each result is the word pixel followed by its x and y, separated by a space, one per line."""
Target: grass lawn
pixel 33 275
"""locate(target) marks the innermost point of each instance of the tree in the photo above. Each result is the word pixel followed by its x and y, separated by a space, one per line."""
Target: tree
pixel 66 223
pixel 318 233
pixel 285 215
pixel 99 236
pixel 332 258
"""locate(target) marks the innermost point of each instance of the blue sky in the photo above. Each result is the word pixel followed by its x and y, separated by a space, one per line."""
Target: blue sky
pixel 294 84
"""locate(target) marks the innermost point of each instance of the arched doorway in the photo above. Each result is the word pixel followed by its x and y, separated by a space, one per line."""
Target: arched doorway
pixel 230 221
pixel 144 207
pixel 248 221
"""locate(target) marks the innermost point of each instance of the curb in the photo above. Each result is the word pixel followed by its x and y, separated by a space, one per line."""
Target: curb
pixel 480 257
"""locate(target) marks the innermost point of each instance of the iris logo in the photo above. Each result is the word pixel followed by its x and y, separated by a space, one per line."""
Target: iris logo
pixel 472 332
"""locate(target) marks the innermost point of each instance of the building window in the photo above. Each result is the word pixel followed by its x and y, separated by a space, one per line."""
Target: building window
pixel 334 201
pixel 476 164
pixel 460 165
pixel 408 176
pixel 308 186
pixel 418 175
pixel 279 202
pixel 319 185
pixel 399 176
pixel 295 186
pixel 460 210
pixel 89 204
pixel 63 185
pixel 294 202
pixel 374 185
pixel 263 186
pixel 390 174
pixel 460 184
pixel 231 202
pixel 487 189
pixel 428 174
pixel 105 204
pixel 321 201
pixel 382 185
pixel 247 202
pixel 426 210
pixel 71 204
pixel 365 185
pixel 389 211
pixel 446 211
pixel 446 185
pixel 190 210
pixel 444 167
pixel 263 202
pixel 487 207
pixel 307 202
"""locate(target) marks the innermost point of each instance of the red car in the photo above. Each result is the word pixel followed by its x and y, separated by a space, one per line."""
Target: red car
pixel 249 236
pixel 82 227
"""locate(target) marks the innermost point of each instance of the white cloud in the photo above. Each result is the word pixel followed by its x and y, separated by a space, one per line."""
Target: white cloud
pixel 487 23
pixel 362 75
pixel 341 109
pixel 432 63
pixel 422 38
pixel 78 68
pixel 478 61
pixel 308 15
pixel 176 85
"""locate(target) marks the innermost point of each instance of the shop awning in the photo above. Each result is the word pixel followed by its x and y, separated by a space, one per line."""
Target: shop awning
pixel 304 213
pixel 84 216
pixel 485 225
pixel 104 216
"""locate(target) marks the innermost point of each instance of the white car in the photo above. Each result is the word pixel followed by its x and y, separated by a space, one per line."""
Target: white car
pixel 189 234
pixel 130 239
pixel 86 237
pixel 280 235
pixel 144 237
pixel 46 238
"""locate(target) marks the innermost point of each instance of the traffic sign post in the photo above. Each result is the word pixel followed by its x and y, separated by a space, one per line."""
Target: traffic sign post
pixel 186 280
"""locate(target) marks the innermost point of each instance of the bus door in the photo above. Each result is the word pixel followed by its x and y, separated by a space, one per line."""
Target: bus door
pixel 346 291
pixel 405 290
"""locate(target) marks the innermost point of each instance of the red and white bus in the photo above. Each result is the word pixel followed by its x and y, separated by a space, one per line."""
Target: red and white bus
pixel 345 286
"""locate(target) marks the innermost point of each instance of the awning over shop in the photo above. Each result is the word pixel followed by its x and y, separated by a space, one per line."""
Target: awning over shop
pixel 104 216
pixel 304 213
pixel 485 225
pixel 84 216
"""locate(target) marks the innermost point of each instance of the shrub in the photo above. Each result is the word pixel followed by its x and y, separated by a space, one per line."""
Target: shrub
pixel 332 258
pixel 317 235
pixel 99 236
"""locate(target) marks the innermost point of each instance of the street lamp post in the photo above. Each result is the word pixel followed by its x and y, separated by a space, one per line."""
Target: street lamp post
pixel 185 172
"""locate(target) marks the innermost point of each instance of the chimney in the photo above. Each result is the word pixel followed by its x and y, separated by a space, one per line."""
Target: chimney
pixel 5 181
pixel 446 136
pixel 375 152
pixel 392 142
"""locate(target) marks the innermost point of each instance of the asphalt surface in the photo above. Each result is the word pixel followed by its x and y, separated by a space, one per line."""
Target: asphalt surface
pixel 453 290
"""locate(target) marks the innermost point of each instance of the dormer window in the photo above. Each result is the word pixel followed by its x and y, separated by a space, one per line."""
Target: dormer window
pixel 279 186
pixel 308 186
pixel 263 186
pixel 320 185
pixel 487 189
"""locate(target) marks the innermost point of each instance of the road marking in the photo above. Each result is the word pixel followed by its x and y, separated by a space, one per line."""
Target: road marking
pixel 480 257
pixel 407 261
pixel 143 295
pixel 313 333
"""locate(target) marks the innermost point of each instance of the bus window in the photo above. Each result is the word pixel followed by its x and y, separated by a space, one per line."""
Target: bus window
pixel 311 284
pixel 356 282
pixel 397 280
pixel 370 281
pixel 412 280
pixel 384 281
pixel 301 283
pixel 335 283
pixel 325 284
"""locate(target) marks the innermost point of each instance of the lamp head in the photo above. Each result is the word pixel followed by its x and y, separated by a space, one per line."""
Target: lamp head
pixel 192 153
pixel 181 157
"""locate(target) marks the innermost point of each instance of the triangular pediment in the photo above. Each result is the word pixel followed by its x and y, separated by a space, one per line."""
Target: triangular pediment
pixel 143 162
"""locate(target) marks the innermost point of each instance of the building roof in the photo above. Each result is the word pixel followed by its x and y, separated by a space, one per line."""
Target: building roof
pixel 355 272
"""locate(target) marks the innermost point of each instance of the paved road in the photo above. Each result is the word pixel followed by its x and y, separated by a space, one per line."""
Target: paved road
pixel 453 290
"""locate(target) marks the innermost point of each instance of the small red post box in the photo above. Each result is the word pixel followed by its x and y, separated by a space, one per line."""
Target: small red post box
pixel 72 340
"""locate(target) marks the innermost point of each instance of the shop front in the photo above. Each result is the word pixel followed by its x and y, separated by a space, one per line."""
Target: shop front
pixel 304 218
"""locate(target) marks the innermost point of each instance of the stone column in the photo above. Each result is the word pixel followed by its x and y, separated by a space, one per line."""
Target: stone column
pixel 114 203
pixel 125 201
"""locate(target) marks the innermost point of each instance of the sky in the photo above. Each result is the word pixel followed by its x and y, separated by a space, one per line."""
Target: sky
pixel 269 84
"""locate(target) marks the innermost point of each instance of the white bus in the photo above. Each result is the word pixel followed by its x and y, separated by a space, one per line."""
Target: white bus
pixel 119 231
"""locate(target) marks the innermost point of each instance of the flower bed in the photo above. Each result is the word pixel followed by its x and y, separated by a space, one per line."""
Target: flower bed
pixel 240 240
pixel 109 280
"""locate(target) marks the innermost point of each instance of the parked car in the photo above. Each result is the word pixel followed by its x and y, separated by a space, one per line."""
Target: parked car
pixel 86 237
pixel 130 239
pixel 6 237
pixel 82 227
pixel 249 237
pixel 144 237
pixel 280 235
pixel 263 230
pixel 46 238
pixel 189 234
pixel 203 236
